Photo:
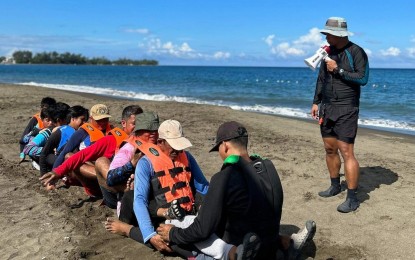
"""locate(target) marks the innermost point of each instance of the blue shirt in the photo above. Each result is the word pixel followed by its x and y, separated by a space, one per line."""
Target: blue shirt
pixel 73 143
pixel 143 173
pixel 66 132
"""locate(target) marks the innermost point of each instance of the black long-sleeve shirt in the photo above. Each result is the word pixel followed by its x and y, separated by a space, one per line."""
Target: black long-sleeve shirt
pixel 234 206
pixel 343 90
pixel 49 148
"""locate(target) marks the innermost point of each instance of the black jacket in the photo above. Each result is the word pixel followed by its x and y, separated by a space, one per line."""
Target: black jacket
pixel 238 202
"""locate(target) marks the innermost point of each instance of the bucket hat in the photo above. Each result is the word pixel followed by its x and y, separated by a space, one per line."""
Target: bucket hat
pixel 336 26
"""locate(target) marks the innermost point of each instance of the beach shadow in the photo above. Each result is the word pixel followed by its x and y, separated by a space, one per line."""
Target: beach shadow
pixel 371 178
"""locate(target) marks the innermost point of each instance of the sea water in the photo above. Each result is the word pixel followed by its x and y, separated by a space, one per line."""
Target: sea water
pixel 387 101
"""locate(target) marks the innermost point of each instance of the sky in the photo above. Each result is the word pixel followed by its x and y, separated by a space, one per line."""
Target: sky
pixel 207 33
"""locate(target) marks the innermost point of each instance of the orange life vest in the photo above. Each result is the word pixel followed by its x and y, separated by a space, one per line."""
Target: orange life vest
pixel 135 141
pixel 171 180
pixel 120 136
pixel 94 133
pixel 39 121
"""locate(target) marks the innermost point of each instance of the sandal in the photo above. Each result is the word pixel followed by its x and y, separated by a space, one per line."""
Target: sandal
pixel 249 248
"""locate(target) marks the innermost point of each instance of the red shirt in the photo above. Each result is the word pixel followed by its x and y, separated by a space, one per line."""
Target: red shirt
pixel 104 147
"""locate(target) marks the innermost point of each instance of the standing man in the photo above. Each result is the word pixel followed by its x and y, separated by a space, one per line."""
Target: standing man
pixel 338 93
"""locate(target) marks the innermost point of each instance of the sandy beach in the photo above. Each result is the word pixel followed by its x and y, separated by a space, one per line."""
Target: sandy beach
pixel 36 224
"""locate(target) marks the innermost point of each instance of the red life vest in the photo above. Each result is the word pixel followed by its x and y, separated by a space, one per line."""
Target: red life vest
pixel 94 133
pixel 39 121
pixel 171 180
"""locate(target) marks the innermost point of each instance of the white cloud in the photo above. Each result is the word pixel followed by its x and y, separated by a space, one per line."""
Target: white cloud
pixel 139 31
pixel 185 47
pixel 314 37
pixel 285 50
pixel 392 51
pixel 411 52
pixel 221 55
pixel 154 46
pixel 182 50
pixel 269 39
pixel 368 52
pixel 304 44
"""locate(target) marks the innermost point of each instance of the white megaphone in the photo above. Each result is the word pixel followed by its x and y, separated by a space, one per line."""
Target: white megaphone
pixel 320 54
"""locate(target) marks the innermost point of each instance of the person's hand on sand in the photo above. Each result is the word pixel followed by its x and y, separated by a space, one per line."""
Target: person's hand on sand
pixel 163 230
pixel 49 180
pixel 160 244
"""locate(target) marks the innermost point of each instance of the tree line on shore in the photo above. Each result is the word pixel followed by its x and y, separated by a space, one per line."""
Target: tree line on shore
pixel 27 57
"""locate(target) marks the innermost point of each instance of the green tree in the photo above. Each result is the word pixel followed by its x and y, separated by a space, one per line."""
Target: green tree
pixel 71 58
pixel 41 58
pixel 99 61
pixel 22 56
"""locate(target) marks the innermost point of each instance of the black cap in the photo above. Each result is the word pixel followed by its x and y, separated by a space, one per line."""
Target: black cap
pixel 227 131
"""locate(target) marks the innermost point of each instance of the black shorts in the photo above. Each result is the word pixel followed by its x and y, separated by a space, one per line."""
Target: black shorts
pixel 339 122
pixel 110 198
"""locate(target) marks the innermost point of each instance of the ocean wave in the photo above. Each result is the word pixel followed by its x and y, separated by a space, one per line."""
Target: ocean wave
pixel 284 111
pixel 388 124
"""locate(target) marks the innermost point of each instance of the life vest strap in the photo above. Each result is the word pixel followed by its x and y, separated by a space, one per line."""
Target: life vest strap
pixel 161 191
pixel 173 172
pixel 178 185
pixel 184 200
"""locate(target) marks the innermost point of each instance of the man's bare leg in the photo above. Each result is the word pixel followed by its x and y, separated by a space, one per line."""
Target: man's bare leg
pixel 351 168
pixel 351 165
pixel 102 166
pixel 333 165
pixel 87 170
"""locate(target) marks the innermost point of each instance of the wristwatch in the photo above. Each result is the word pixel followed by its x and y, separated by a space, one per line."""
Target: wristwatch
pixel 341 72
